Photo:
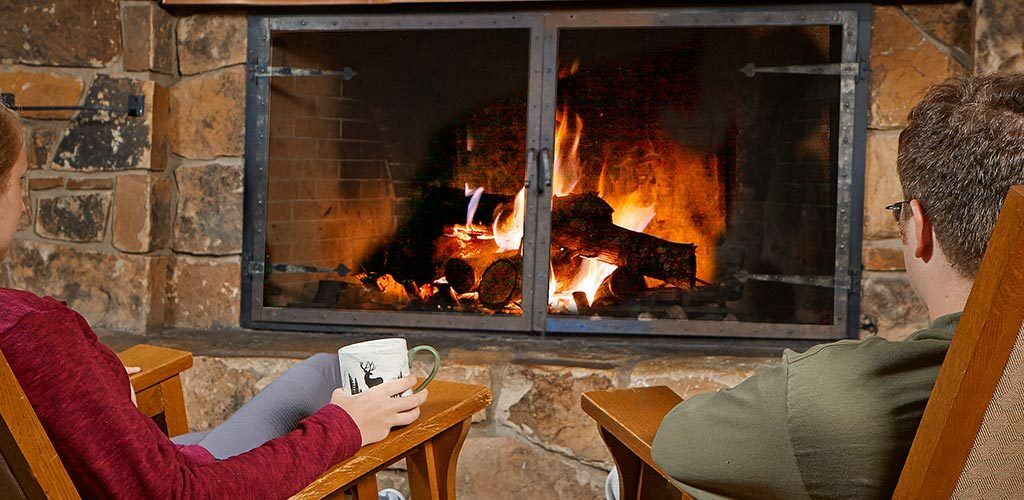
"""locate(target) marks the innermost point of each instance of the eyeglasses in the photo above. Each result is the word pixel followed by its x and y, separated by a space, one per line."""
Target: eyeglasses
pixel 897 210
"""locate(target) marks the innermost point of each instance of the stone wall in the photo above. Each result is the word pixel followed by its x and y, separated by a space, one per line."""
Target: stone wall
pixel 136 222
pixel 533 442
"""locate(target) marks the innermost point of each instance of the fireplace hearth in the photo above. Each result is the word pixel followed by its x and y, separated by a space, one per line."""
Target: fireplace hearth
pixel 651 171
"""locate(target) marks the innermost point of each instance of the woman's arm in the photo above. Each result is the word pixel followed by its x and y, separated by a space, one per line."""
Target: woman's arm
pixel 79 390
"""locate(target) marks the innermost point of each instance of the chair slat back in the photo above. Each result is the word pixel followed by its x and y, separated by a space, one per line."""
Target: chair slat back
pixel 25 448
pixel 9 487
pixel 971 437
pixel 995 464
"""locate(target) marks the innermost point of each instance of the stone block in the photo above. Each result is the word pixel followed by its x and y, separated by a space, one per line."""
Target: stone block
pixel 505 468
pixel 904 63
pixel 688 376
pixel 60 32
pixel 80 218
pixel 949 23
pixel 208 115
pixel 455 372
pixel 90 183
pixel 34 88
pixel 112 291
pixel 148 38
pixel 881 184
pixel 884 255
pixel 209 41
pixel 204 293
pixel 542 403
pixel 44 183
pixel 41 143
pixel 215 388
pixel 209 216
pixel 889 306
pixel 999 36
pixel 25 221
pixel 105 141
pixel 142 213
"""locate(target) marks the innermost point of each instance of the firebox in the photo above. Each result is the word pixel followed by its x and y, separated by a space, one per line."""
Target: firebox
pixel 665 171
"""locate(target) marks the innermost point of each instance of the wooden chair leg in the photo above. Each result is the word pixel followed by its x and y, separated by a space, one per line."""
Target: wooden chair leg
pixel 365 488
pixel 432 465
pixel 654 486
pixel 627 463
pixel 174 406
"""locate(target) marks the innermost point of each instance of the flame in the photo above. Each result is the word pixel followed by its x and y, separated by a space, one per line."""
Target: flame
pixel 567 169
pixel 508 232
pixel 474 202
pixel 469 231
pixel 569 69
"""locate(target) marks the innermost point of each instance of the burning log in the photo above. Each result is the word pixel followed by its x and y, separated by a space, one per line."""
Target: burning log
pixel 626 282
pixel 582 304
pixel 623 284
pixel 460 275
pixel 502 283
pixel 583 223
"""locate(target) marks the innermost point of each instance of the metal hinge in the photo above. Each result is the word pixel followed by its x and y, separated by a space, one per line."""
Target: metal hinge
pixel 842 69
pixel 854 280
pixel 136 106
pixel 270 71
pixel 256 267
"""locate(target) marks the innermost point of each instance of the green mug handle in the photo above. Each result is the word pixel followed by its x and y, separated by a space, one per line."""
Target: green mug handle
pixel 437 364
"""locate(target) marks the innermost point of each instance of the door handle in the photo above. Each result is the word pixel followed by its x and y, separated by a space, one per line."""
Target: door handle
pixel 544 169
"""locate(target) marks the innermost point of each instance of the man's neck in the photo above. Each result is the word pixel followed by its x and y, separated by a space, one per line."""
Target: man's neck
pixel 950 297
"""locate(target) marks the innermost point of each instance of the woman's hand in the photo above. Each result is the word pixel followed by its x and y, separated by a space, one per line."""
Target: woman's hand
pixel 132 370
pixel 375 411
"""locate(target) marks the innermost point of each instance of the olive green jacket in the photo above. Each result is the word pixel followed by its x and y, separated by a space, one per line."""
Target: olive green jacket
pixel 833 422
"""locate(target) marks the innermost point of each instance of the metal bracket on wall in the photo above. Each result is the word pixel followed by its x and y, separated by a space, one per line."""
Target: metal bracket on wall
pixel 136 106
pixel 842 69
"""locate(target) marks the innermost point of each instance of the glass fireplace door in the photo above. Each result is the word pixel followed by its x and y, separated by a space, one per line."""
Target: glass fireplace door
pixel 397 152
pixel 698 179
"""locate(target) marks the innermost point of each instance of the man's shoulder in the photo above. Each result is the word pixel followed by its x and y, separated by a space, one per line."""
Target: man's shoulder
pixel 866 353
pixel 852 408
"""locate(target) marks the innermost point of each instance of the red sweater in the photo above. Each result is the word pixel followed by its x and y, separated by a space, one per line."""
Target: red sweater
pixel 80 391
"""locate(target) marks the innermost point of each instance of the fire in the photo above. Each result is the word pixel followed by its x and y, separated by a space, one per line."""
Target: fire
pixel 508 232
pixel 567 169
pixel 631 213
pixel 470 230
pixel 653 185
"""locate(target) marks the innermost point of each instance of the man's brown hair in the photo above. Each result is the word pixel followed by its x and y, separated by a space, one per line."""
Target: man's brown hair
pixel 11 142
pixel 959 155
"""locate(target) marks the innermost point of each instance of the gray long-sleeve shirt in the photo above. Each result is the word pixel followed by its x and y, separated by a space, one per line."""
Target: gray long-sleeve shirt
pixel 836 421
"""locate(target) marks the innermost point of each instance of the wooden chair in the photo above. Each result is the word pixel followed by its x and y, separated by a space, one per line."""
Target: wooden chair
pixel 30 467
pixel 970 443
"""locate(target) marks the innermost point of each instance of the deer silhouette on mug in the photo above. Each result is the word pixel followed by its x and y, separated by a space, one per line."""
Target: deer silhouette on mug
pixel 368 368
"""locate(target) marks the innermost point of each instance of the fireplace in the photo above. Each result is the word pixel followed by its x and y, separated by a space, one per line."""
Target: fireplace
pixel 646 171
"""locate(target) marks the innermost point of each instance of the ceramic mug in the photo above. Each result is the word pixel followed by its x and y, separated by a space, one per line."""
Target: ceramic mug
pixel 369 364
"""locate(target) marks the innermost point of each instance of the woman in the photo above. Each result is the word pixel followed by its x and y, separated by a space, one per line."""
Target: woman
pixel 281 441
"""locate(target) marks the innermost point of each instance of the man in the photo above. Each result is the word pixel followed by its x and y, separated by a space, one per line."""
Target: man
pixel 838 420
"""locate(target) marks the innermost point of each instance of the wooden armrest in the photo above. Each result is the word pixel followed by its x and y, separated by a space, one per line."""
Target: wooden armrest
pixel 632 415
pixel 449 407
pixel 158 364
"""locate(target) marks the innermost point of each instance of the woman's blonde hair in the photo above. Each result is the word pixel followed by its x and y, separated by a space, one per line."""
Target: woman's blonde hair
pixel 12 139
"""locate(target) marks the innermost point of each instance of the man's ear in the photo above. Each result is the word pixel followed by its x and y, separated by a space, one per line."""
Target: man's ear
pixel 922 229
